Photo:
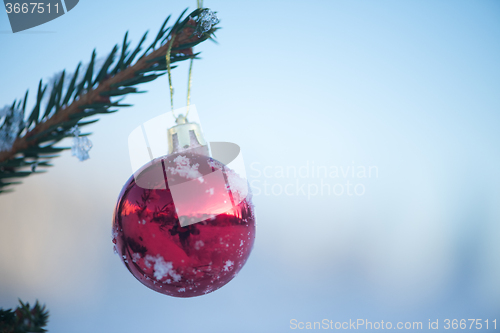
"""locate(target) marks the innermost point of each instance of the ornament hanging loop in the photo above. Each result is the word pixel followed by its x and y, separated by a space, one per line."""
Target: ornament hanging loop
pixel 167 58
pixel 189 86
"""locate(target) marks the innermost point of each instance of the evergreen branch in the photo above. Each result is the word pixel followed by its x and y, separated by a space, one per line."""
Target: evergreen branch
pixel 24 319
pixel 33 141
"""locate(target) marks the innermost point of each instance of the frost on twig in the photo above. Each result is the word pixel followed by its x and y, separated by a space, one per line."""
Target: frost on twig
pixel 206 21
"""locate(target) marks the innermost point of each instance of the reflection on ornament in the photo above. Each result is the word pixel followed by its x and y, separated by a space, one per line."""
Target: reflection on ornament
pixel 184 223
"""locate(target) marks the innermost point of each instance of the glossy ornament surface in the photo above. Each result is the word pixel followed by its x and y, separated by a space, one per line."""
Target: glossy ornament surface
pixel 194 244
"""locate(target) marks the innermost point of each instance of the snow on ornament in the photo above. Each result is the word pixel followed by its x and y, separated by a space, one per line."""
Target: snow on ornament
pixel 184 222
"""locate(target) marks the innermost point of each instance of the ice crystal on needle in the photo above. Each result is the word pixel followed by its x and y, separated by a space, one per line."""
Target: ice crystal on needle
pixel 81 144
pixel 12 124
pixel 205 22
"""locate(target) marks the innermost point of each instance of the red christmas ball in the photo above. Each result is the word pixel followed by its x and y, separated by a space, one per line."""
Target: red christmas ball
pixel 182 226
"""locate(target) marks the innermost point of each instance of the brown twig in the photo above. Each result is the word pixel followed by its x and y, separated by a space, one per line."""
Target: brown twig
pixel 94 96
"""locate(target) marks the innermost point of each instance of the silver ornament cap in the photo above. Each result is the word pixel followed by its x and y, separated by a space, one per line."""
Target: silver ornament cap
pixel 186 136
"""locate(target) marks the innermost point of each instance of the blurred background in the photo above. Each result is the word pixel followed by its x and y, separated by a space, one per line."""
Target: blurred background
pixel 409 88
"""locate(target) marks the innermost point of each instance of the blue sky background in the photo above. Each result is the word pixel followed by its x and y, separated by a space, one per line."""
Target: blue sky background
pixel 410 87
